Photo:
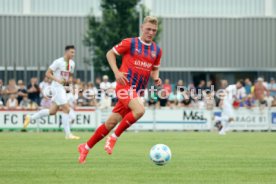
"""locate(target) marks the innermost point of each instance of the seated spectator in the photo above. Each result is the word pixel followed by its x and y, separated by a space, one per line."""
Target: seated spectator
pixel 91 94
pixel 25 103
pixel 22 92
pixel 167 86
pixel 209 100
pixel 172 101
pixel 187 100
pixel 81 101
pixel 12 102
pixel 105 101
pixel 33 91
pixel 200 88
pixel 249 102
pixel 152 99
pixel 179 98
pixel 112 93
pixel 162 99
pixel 273 103
pixel 105 85
pixel 10 89
pixel 272 87
pixel 209 85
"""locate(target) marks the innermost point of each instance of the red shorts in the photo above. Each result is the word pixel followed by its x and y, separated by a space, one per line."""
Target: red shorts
pixel 124 94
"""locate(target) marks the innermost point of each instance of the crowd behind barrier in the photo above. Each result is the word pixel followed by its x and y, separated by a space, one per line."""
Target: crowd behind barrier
pixel 101 94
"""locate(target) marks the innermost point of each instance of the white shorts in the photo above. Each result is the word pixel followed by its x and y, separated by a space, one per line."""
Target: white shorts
pixel 59 95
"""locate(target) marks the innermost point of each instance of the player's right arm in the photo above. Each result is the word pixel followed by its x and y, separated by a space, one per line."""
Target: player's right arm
pixel 50 75
pixel 119 49
pixel 50 71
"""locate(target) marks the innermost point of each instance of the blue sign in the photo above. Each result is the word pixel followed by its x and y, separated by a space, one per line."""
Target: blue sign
pixel 273 117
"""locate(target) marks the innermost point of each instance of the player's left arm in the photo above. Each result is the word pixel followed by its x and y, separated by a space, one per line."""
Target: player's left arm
pixel 155 76
pixel 155 70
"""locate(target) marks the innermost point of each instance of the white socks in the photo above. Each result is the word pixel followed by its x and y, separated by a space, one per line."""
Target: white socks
pixel 114 135
pixel 66 124
pixel 72 115
pixel 87 147
pixel 40 114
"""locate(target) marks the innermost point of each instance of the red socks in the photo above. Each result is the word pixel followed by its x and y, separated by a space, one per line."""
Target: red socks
pixel 127 121
pixel 102 131
pixel 99 134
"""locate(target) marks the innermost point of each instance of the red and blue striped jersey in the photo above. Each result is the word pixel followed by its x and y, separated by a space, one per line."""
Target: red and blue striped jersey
pixel 138 60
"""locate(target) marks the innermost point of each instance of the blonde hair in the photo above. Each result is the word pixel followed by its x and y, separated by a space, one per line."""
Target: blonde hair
pixel 151 19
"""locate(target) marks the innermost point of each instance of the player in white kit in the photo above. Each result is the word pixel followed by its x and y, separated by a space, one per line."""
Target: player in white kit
pixel 226 104
pixel 227 114
pixel 61 73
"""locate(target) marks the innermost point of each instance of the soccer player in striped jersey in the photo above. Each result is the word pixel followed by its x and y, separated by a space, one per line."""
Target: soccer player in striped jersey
pixel 61 73
pixel 141 60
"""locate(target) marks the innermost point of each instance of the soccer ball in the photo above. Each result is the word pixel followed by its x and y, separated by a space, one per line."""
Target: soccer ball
pixel 160 154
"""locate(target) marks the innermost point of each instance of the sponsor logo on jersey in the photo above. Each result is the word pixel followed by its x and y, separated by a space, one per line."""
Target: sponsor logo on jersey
pixel 142 64
pixel 138 51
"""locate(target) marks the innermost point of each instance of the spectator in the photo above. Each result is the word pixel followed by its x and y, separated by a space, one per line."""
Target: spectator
pixel 22 92
pixel 162 100
pixel 180 85
pixel 12 102
pixel 105 102
pixel 172 101
pixel 260 90
pixel 25 103
pixel 191 86
pixel 152 99
pixel 248 86
pixel 223 84
pixel 10 89
pixel 167 86
pixel 113 93
pixel 272 87
pixel 187 100
pixel 105 85
pixel 77 83
pixel 2 88
pixel 81 101
pixel 209 101
pixel 33 91
pixel 91 94
pixel 249 102
pixel 201 87
pixel 97 85
pixel 209 85
pixel 273 103
pixel 98 82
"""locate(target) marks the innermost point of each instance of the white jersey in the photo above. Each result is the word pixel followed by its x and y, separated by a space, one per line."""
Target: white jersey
pixel 227 108
pixel 233 92
pixel 62 70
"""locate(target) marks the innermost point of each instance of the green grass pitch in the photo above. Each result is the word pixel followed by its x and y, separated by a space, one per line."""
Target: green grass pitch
pixel 197 157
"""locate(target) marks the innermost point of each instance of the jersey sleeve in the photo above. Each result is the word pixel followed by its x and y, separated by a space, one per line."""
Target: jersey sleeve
pixel 123 47
pixel 54 65
pixel 158 59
